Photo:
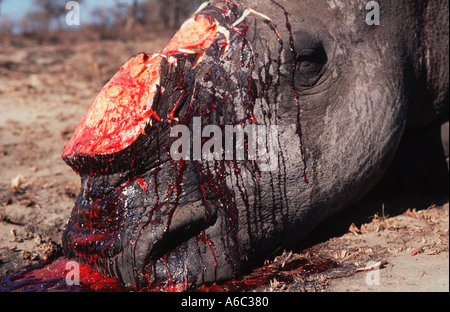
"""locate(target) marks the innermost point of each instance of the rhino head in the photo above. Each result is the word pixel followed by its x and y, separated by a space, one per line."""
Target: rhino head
pixel 254 123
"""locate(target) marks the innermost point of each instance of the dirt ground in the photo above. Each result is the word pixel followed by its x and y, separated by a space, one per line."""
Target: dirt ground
pixel 45 90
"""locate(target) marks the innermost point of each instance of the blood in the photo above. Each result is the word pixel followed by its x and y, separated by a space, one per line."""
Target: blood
pixel 121 111
pixel 296 95
pixel 156 207
pixel 282 272
pixel 180 167
pixel 53 276
pixel 142 184
pixel 221 192
pixel 214 104
pixel 205 240
pixel 124 109
pixel 196 34
pixel 116 117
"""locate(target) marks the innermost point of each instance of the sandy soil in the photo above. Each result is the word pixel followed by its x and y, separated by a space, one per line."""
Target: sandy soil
pixel 409 250
pixel 45 90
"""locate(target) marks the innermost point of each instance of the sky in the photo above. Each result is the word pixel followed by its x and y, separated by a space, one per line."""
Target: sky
pixel 16 9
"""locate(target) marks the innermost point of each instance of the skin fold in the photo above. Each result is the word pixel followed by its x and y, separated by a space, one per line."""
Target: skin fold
pixel 339 92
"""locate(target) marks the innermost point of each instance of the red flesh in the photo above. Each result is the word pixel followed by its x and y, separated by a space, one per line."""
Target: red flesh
pixel 52 277
pixel 121 111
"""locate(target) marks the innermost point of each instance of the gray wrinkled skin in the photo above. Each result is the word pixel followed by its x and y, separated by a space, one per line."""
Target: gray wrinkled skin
pixel 358 86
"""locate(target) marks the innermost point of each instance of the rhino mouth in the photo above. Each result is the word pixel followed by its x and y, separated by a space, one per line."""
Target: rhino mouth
pixel 99 218
pixel 140 230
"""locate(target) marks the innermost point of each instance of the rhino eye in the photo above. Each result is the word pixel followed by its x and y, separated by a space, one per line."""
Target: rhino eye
pixel 309 65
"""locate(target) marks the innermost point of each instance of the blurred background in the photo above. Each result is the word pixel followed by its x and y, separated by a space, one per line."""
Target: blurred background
pixel 88 39
pixel 102 18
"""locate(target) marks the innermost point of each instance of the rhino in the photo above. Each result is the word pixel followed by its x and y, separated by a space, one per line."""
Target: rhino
pixel 257 121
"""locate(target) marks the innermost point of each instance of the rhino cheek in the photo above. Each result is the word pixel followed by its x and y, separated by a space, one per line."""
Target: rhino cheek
pixel 362 128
